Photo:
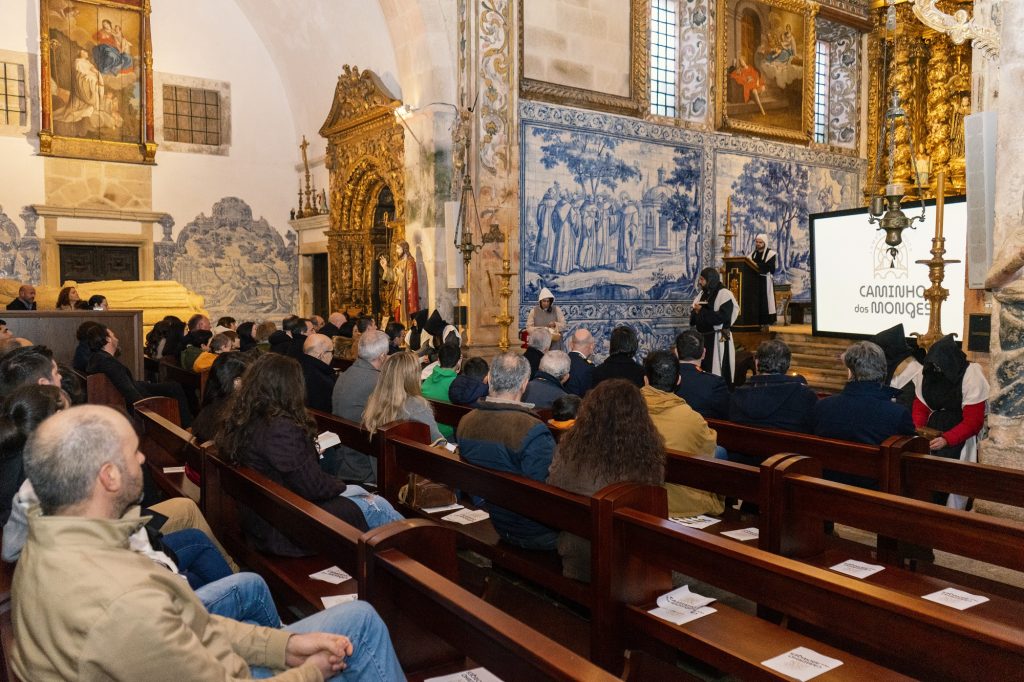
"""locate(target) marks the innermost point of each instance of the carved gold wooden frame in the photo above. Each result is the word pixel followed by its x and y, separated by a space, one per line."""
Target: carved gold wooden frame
pixel 726 14
pixel 637 103
pixel 365 151
pixel 50 144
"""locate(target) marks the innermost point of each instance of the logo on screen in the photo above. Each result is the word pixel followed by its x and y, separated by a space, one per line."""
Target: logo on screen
pixel 890 263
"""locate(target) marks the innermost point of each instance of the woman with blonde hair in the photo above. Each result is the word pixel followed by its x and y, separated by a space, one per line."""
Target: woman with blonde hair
pixel 398 397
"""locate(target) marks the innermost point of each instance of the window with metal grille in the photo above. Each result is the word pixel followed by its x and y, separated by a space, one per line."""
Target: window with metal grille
pixel 13 98
pixel 821 78
pixel 191 115
pixel 664 51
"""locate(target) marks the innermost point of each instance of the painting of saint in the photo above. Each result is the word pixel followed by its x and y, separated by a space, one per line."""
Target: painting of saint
pixel 94 78
pixel 766 67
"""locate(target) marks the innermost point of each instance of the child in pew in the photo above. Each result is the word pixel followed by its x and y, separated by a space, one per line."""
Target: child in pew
pixel 613 440
pixel 564 410
pixel 268 429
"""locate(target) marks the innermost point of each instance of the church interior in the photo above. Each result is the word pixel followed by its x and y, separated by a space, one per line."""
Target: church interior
pixel 260 159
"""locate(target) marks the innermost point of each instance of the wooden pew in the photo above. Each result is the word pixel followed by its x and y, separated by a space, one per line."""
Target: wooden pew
pixel 100 391
pixel 548 505
pixel 408 571
pixel 920 475
pixel 194 383
pixel 880 463
pixel 165 444
pixel 225 487
pixel 912 636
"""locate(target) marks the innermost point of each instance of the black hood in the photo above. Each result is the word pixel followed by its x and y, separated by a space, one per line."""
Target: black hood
pixel 946 356
pixel 435 325
pixel 893 342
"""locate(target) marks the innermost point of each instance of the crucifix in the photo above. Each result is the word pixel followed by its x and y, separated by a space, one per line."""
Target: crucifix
pixel 307 210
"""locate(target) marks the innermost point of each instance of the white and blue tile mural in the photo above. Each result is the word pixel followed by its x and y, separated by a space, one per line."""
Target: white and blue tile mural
pixel 618 215
pixel 19 253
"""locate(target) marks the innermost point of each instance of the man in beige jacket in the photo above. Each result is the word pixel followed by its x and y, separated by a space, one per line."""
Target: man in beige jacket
pixel 682 428
pixel 86 607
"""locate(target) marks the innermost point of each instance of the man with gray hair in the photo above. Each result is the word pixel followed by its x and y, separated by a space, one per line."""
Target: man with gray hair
pixel 538 343
pixel 86 606
pixel 334 323
pixel 503 434
pixel 772 398
pixel 546 386
pixel 581 346
pixel 864 411
pixel 351 392
pixel 317 353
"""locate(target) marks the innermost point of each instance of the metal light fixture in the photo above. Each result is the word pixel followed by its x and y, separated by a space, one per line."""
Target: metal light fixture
pixel 885 209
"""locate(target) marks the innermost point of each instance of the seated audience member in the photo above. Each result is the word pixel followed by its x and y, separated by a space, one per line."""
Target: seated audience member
pixel 613 440
pixel 772 398
pixel 82 353
pixel 28 365
pixel 268 429
pixel 199 322
pixel 315 361
pixel 334 322
pixel 225 378
pixel 548 383
pixel 317 322
pixel 435 386
pixel 363 324
pixel 502 434
pixel 398 397
pixel 706 393
pixel 581 347
pixel 73 385
pixel 85 606
pixel 12 343
pixel 104 345
pixel 470 385
pixel 245 337
pixel 564 410
pixel 683 430
pixel 262 333
pixel 414 337
pixel 198 343
pixel 174 339
pixel 351 393
pixel 5 333
pixel 153 348
pixel 225 324
pixel 98 302
pixel 902 361
pixel 621 364
pixel 26 299
pixel 222 342
pixel 68 299
pixel 290 343
pixel 538 342
pixel 348 326
pixel 23 410
pixel 396 335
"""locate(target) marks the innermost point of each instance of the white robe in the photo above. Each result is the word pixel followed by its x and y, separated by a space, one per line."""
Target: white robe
pixel 723 347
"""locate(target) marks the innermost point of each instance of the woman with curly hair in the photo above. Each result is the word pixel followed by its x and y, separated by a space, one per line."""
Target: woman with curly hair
pixel 68 299
pixel 613 440
pixel 267 428
pixel 398 397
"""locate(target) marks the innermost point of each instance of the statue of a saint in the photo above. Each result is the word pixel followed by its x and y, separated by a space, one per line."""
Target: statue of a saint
pixel 403 297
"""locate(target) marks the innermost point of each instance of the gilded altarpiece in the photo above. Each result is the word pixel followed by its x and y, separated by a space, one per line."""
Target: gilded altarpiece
pixel 365 155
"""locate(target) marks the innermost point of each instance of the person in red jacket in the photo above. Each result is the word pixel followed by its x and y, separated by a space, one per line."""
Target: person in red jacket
pixel 950 396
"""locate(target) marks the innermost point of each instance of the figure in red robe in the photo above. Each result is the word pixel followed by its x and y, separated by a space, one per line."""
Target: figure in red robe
pixel 404 286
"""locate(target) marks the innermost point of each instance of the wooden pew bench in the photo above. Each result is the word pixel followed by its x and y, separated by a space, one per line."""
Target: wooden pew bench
pixel 193 383
pixel 99 390
pixel 408 571
pixel 794 529
pixel 867 626
pixel 226 487
pixel 729 479
pixel 166 445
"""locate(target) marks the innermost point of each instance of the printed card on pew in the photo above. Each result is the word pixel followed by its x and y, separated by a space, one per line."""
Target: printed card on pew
pixel 467 516
pixel 332 575
pixel 857 569
pixel 174 470
pixel 743 534
pixel 802 663
pixel 697 522
pixel 438 510
pixel 474 675
pixel 958 599
pixel 681 606
pixel 334 600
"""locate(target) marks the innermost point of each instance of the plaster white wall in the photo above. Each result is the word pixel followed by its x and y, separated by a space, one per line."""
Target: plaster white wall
pixel 21 172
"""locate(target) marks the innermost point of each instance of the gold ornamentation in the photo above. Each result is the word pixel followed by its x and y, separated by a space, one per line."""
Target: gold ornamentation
pixel 959 27
pixel 936 293
pixel 495 68
pixel 900 80
pixel 808 10
pixel 637 103
pixel 365 153
pixel 505 320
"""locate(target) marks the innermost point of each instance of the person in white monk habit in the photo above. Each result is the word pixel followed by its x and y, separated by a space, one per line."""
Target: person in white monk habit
pixel 766 261
pixel 713 314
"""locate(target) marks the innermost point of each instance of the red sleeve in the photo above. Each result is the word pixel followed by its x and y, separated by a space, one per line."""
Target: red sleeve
pixel 970 425
pixel 920 412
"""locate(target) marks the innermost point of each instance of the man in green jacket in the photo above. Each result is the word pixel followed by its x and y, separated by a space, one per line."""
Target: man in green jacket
pixel 435 386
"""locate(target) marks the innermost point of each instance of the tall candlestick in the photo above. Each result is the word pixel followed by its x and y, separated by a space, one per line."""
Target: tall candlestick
pixel 940 203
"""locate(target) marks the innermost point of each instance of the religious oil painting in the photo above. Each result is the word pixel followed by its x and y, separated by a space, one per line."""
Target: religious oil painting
pixel 766 67
pixel 96 90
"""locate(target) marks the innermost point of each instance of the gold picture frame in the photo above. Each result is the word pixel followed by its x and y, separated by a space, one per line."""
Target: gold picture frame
pixel 765 67
pixel 96 80
pixel 635 103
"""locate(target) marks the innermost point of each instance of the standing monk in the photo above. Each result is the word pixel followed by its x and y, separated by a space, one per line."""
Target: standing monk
pixel 713 314
pixel 766 261
pixel 404 298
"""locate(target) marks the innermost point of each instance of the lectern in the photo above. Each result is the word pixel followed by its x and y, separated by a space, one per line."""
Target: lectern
pixel 741 278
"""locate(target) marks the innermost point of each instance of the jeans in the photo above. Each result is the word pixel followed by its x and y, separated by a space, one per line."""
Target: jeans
pixel 376 510
pixel 243 597
pixel 197 557
pixel 373 657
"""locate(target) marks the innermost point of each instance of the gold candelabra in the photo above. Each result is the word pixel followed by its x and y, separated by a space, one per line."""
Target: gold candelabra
pixel 505 320
pixel 306 208
pixel 728 234
pixel 936 294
